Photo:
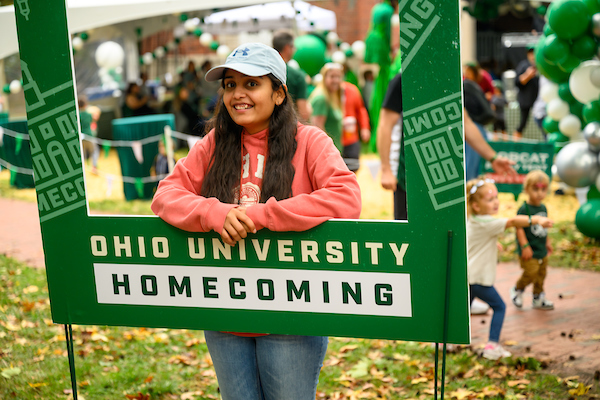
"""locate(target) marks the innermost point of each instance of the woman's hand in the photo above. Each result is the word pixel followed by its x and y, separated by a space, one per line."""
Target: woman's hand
pixel 237 225
pixel 544 222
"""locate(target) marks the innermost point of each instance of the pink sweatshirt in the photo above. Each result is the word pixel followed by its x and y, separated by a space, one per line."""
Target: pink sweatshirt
pixel 323 187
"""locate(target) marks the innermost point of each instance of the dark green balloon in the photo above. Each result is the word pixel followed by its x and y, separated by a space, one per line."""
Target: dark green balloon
pixel 576 108
pixel 551 72
pixel 6 88
pixel 591 112
pixel 593 6
pixel 550 125
pixel 593 193
pixel 565 93
pixel 570 63
pixel 558 140
pixel 584 47
pixel 569 18
pixel 214 45
pixel 587 219
pixel 555 50
pixel 548 30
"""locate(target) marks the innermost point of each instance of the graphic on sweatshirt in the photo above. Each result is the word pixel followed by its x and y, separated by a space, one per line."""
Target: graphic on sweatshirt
pixel 250 194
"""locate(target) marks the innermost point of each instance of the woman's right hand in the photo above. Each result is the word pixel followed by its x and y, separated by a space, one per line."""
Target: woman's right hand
pixel 237 225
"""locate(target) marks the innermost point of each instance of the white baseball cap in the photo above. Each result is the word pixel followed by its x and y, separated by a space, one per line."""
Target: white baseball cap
pixel 252 59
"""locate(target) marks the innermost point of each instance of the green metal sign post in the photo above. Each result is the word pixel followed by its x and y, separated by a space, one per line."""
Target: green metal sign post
pixel 353 278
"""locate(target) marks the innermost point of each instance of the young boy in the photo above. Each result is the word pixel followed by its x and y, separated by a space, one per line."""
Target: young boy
pixel 533 243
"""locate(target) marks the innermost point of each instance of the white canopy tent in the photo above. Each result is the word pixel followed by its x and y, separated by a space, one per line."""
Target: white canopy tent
pixel 304 16
pixel 85 15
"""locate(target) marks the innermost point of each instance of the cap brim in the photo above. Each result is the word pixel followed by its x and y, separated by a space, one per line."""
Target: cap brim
pixel 216 73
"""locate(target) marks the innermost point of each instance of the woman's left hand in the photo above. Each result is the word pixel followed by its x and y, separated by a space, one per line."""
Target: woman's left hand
pixel 237 225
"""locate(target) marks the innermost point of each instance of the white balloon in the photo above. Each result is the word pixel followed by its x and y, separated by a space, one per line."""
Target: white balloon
pixel 206 39
pixel 15 86
pixel 557 109
pixel 159 52
pixel 148 58
pixel 359 48
pixel 179 31
pixel 109 55
pixel 317 78
pixel 569 125
pixel 77 43
pixel 580 82
pixel 345 46
pixel 223 50
pixel 332 38
pixel 338 57
pixel 190 25
pixel 293 64
pixel 549 92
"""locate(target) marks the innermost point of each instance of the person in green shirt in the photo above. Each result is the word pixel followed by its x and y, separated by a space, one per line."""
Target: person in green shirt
pixel 283 42
pixel 326 102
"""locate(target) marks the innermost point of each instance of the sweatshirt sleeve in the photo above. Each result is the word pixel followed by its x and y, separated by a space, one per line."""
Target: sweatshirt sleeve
pixel 178 201
pixel 335 194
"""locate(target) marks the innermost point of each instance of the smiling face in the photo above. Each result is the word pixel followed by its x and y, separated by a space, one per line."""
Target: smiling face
pixel 333 80
pixel 250 100
pixel 486 200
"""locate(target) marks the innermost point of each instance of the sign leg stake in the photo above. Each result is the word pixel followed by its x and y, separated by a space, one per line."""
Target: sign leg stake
pixel 446 310
pixel 71 354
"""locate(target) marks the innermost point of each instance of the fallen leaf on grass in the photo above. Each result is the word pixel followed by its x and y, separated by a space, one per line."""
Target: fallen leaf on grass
pixel 518 382
pixel 31 289
pixel 191 395
pixel 138 396
pixel 37 385
pixel 461 394
pixel 348 348
pixel 10 372
pixel 580 390
pixel 416 381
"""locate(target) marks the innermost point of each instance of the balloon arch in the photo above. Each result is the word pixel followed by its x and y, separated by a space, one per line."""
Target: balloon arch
pixel 567 54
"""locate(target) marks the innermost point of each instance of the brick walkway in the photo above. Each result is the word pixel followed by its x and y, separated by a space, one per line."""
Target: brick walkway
pixel 568 336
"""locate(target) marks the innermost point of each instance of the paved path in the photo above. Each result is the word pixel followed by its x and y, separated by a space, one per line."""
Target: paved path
pixel 568 337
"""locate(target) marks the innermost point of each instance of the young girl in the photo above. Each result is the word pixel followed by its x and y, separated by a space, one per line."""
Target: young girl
pixel 482 237
pixel 533 243
pixel 259 168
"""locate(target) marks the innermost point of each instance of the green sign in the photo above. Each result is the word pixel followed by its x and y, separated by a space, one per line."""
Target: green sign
pixel 372 279
pixel 527 157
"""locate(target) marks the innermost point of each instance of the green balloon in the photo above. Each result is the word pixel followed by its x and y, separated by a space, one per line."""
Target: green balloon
pixel 551 72
pixel 310 53
pixel 214 45
pixel 593 6
pixel 548 30
pixel 587 219
pixel 593 193
pixel 558 140
pixel 576 108
pixel 6 88
pixel 565 93
pixel 584 47
pixel 198 32
pixel 555 50
pixel 569 18
pixel 591 112
pixel 570 63
pixel 550 125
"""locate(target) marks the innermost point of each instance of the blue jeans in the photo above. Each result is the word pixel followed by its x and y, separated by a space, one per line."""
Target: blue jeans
pixel 472 158
pixel 489 295
pixel 272 367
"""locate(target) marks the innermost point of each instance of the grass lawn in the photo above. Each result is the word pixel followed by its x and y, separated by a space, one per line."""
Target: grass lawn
pixel 139 363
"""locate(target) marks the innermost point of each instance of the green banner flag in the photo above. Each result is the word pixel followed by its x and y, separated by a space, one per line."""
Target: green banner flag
pixel 527 157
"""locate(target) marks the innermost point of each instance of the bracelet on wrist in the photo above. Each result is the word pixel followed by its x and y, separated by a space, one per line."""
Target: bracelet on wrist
pixel 494 158
pixel 524 245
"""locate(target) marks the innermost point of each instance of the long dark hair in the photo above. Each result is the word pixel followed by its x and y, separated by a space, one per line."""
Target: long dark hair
pixel 225 165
